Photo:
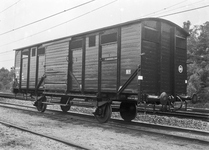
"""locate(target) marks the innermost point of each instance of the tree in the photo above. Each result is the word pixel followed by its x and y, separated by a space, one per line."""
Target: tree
pixel 6 77
pixel 198 59
pixel 186 25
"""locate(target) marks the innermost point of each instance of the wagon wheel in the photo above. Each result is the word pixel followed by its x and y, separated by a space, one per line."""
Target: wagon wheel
pixel 171 106
pixel 65 100
pixel 194 98
pixel 176 106
pixel 41 107
pixel 164 101
pixel 128 111
pixel 103 113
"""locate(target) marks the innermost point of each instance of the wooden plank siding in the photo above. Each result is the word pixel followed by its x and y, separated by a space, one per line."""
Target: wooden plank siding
pixel 150 61
pixel 166 68
pixel 24 72
pixel 149 67
pixel 180 56
pixel 41 69
pixel 109 67
pixel 56 66
pixel 17 65
pixel 130 54
pixel 91 70
pixel 32 72
pixel 77 68
pixel 165 63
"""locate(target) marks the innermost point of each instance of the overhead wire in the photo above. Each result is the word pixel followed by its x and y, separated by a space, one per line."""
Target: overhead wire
pixel 6 52
pixel 179 7
pixel 163 9
pixel 69 10
pixel 9 7
pixel 83 4
pixel 183 11
pixel 84 14
pixel 64 11
pixel 6 60
pixel 62 24
pixel 196 8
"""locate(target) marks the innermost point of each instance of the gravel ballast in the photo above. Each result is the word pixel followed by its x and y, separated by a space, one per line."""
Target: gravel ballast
pixel 97 136
pixel 142 117
pixel 11 138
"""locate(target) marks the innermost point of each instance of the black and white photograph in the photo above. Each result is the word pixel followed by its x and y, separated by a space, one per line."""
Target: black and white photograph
pixel 104 74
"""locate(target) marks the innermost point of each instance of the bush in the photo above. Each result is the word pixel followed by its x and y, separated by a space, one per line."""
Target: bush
pixel 194 85
pixel 6 77
pixel 1 86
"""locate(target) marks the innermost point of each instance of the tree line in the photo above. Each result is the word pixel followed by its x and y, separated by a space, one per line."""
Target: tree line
pixel 198 60
pixel 6 78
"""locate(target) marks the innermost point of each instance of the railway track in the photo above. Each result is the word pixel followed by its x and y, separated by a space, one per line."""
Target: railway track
pixel 18 96
pixel 58 139
pixel 180 114
pixel 141 127
pixel 191 113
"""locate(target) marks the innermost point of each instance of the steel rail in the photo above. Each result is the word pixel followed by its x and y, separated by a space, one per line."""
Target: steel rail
pixel 189 134
pixel 182 114
pixel 189 109
pixel 58 139
pixel 179 114
pixel 19 97
pixel 192 115
pixel 28 98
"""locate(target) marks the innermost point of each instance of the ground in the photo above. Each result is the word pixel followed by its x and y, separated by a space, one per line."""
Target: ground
pixel 93 135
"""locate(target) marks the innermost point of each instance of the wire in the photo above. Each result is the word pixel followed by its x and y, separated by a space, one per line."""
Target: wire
pixel 179 12
pixel 6 60
pixel 5 52
pixel 180 7
pixel 60 24
pixel 163 9
pixel 9 6
pixel 93 11
pixel 45 18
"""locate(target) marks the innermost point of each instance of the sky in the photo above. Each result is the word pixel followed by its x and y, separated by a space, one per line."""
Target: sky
pixel 92 15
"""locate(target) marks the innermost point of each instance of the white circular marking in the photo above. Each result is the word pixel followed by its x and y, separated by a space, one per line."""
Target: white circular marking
pixel 180 68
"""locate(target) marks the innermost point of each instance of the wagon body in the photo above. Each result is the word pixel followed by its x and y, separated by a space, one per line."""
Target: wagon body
pixel 126 62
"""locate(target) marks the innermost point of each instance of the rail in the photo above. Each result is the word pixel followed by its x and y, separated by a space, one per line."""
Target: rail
pixel 58 139
pixel 142 127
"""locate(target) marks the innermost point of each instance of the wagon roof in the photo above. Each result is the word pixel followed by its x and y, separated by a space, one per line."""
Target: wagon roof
pixel 109 27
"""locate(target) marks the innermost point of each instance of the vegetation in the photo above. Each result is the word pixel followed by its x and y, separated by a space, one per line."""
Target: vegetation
pixel 198 60
pixel 6 78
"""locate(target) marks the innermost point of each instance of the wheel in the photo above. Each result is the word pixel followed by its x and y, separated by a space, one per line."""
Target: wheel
pixel 164 101
pixel 65 108
pixel 64 101
pixel 163 98
pixel 40 106
pixel 128 111
pixel 194 98
pixel 103 113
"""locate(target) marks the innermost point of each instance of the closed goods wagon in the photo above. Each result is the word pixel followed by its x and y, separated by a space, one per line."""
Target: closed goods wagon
pixel 141 61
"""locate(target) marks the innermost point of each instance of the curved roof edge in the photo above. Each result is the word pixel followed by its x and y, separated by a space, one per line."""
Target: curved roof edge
pixel 167 21
pixel 108 27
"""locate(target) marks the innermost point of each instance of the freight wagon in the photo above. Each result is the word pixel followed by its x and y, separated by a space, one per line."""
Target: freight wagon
pixel 140 61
